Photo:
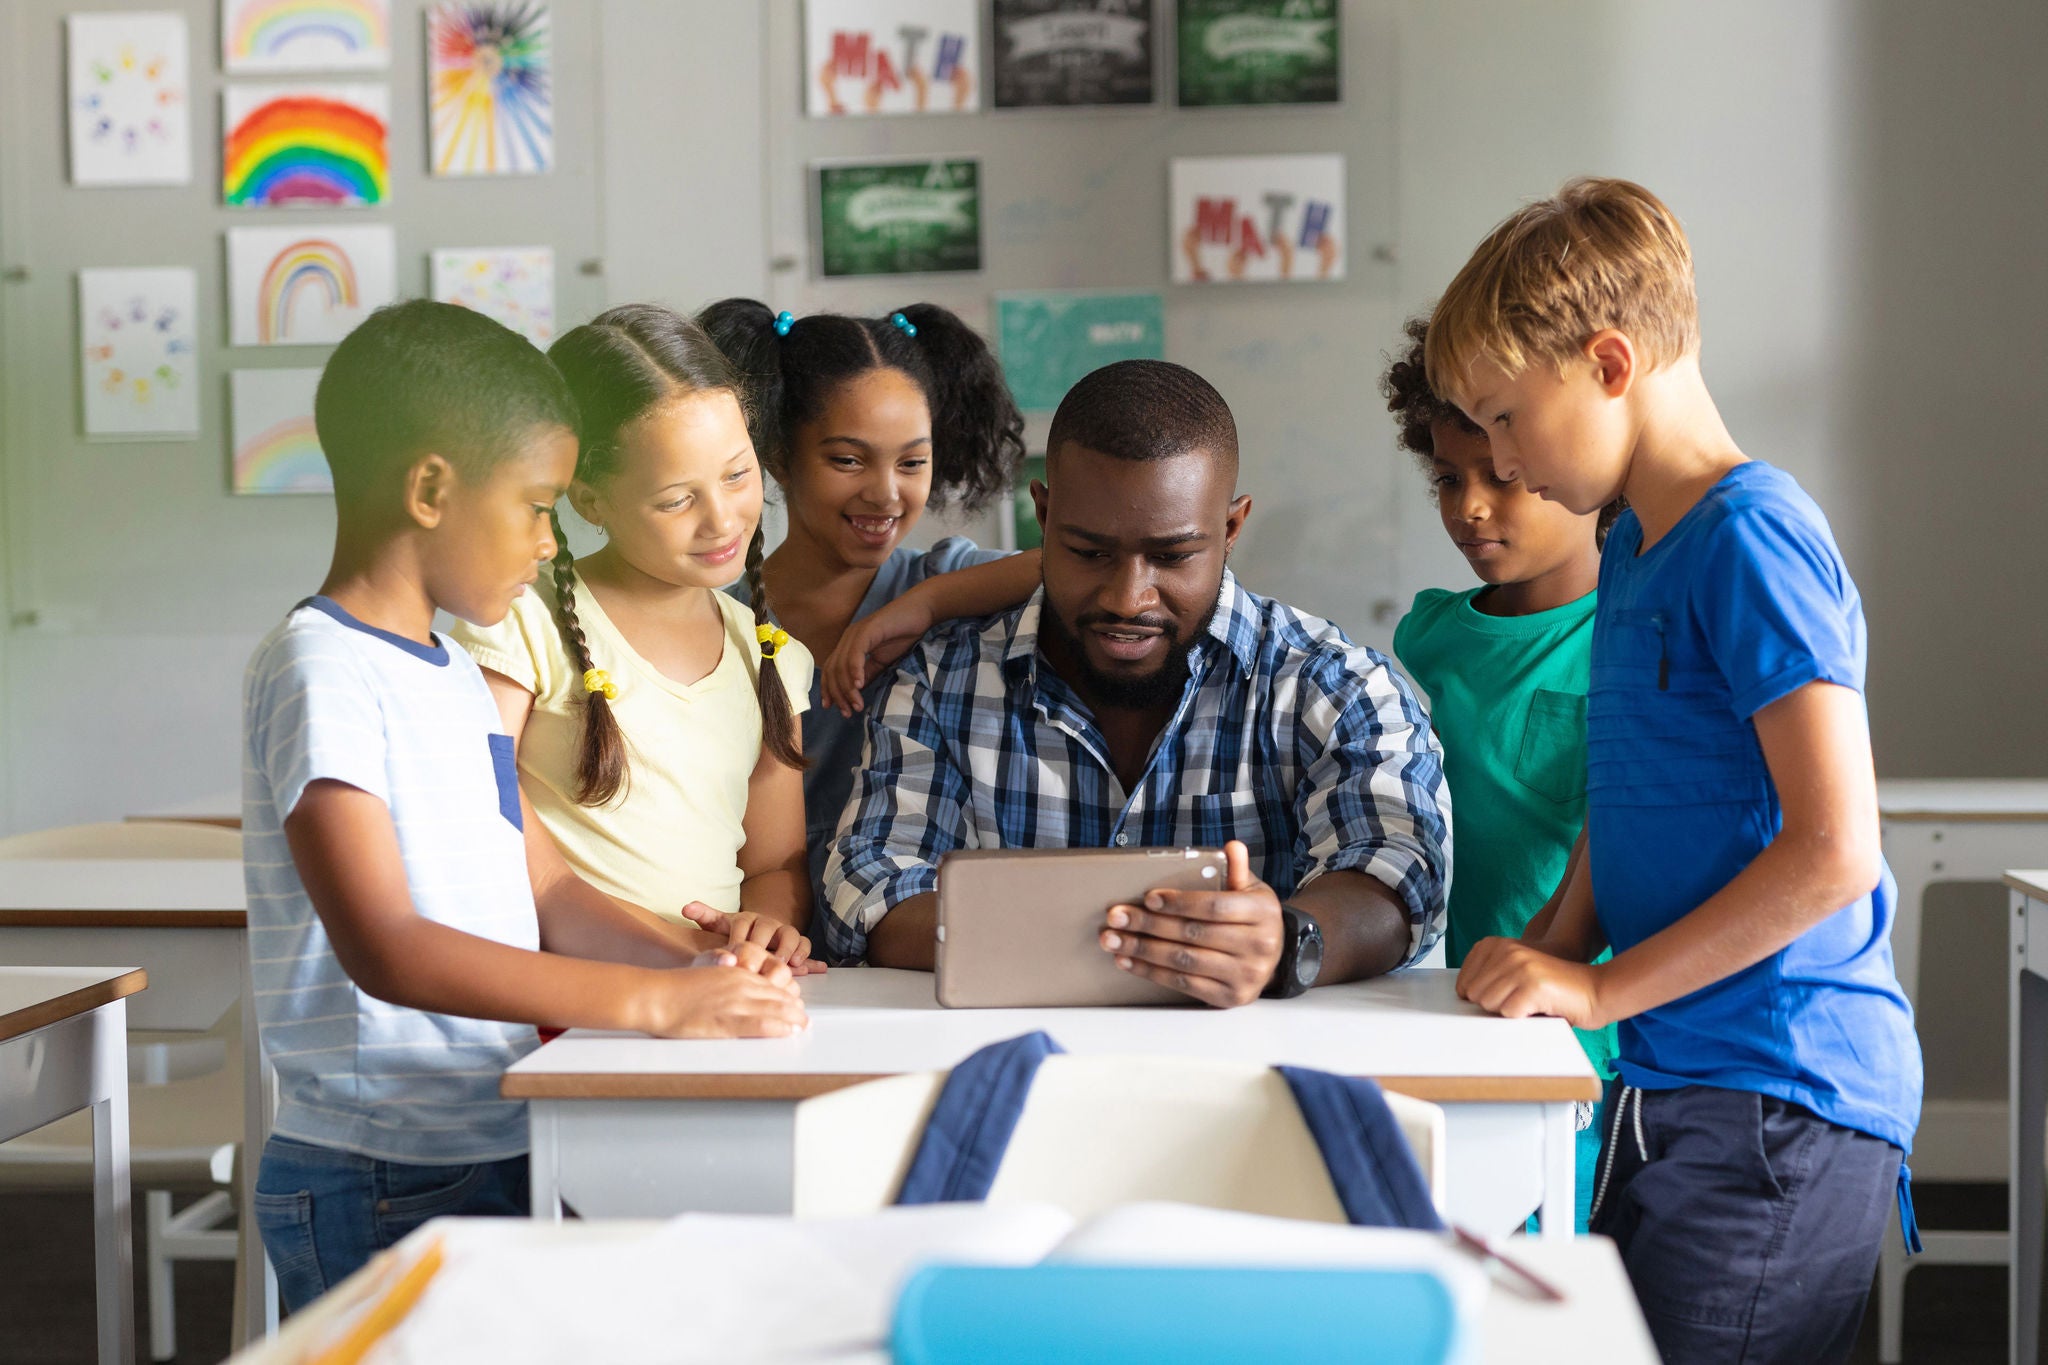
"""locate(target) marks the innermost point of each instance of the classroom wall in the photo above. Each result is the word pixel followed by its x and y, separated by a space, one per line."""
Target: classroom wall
pixel 137 586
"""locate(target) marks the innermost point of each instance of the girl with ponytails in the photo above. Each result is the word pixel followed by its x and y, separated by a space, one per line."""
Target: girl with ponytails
pixel 655 716
pixel 866 422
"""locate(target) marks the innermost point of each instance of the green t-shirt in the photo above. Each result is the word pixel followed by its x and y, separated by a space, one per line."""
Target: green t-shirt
pixel 1507 695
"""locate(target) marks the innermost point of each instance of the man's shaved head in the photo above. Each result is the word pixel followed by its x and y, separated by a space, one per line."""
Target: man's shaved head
pixel 1141 410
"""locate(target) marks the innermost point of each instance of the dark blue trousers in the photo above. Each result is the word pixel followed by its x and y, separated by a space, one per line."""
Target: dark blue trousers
pixel 1750 1225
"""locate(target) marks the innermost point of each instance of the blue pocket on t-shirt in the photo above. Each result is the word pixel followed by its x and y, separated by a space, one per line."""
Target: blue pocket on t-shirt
pixel 505 764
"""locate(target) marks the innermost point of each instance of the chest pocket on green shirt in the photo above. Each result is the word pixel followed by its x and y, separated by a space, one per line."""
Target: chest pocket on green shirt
pixel 1552 761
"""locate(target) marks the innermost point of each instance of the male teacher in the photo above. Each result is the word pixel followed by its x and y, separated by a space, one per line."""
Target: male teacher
pixel 1143 698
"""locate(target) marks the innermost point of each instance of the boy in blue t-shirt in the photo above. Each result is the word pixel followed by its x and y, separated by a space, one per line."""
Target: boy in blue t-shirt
pixel 410 922
pixel 1769 1078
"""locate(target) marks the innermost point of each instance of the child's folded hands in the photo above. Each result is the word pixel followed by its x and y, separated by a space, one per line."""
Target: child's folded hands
pixel 776 938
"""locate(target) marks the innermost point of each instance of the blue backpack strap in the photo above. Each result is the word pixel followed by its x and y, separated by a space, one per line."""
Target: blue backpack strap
pixel 1376 1175
pixel 971 1125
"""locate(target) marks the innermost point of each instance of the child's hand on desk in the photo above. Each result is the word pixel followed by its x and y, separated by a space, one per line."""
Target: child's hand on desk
pixel 1218 946
pixel 774 938
pixel 720 998
pixel 870 645
pixel 1515 980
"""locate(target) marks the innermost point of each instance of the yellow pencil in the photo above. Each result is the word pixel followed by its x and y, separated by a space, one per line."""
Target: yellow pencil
pixel 388 1313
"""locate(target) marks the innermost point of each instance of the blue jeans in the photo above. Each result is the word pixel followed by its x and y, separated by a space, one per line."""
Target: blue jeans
pixel 324 1212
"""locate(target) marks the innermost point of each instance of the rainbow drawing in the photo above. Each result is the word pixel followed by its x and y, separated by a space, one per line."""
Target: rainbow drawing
pixel 305 35
pixel 311 266
pixel 275 447
pixel 324 147
pixel 309 285
pixel 284 458
pixel 489 91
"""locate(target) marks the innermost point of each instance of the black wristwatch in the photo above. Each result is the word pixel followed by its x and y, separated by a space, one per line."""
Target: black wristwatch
pixel 1301 955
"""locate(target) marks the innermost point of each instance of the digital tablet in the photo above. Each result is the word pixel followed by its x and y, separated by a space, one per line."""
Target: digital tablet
pixel 1018 927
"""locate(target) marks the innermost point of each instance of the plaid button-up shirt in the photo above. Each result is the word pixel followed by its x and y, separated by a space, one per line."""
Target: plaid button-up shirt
pixel 1309 748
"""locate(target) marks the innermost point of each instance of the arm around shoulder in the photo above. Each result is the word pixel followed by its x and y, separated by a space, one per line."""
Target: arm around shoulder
pixel 909 808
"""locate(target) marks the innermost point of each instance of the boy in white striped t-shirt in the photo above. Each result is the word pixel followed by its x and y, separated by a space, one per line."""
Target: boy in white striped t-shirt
pixel 409 923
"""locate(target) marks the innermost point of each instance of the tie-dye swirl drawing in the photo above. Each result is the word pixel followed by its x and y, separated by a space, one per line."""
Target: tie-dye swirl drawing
pixel 490 97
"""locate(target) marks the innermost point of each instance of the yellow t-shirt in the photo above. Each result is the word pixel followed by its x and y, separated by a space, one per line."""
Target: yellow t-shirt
pixel 673 833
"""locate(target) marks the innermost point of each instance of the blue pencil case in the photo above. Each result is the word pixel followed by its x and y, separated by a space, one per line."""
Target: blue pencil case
pixel 1187 1315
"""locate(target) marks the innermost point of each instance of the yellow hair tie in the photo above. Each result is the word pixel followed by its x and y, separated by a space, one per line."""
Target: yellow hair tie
pixel 772 639
pixel 597 680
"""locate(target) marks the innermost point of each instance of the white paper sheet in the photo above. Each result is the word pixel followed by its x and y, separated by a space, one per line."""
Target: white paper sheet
pixel 664 1299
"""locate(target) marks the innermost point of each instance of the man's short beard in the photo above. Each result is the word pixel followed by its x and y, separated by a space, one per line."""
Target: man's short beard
pixel 1156 690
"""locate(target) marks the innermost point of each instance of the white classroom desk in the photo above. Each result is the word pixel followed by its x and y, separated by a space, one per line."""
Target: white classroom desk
pixel 1598 1321
pixel 184 919
pixel 63 1048
pixel 2028 1102
pixel 627 1126
pixel 1948 830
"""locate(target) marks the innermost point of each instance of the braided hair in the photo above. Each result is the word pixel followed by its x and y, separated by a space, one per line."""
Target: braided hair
pixel 620 366
pixel 791 371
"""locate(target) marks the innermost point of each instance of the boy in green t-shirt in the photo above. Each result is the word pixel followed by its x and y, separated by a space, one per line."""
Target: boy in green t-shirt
pixel 1505 669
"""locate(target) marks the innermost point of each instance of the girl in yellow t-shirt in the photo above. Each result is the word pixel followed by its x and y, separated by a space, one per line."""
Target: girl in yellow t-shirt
pixel 653 713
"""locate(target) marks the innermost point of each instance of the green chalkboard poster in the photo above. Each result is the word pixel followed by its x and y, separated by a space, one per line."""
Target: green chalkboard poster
pixel 899 217
pixel 1048 341
pixel 1023 511
pixel 1257 52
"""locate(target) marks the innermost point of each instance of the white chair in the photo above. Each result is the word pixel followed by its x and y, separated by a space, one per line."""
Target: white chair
pixel 1097 1132
pixel 185 1096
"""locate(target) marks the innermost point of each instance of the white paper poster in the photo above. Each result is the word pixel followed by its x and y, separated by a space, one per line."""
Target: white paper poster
pixel 513 284
pixel 271 425
pixel 1251 219
pixel 891 57
pixel 138 362
pixel 490 87
pixel 290 286
pixel 309 146
pixel 277 36
pixel 128 99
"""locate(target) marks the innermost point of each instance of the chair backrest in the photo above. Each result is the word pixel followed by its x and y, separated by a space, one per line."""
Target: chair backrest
pixel 1097 1132
pixel 126 839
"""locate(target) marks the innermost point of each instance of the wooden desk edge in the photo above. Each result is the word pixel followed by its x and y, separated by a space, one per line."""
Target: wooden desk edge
pixel 72 1003
pixel 803 1086
pixel 124 919
pixel 2034 890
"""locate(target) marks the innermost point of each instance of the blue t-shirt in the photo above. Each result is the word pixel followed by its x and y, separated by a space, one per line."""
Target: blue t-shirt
pixel 832 742
pixel 1743 602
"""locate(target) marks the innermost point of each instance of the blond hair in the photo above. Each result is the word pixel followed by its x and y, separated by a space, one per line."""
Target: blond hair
pixel 1597 254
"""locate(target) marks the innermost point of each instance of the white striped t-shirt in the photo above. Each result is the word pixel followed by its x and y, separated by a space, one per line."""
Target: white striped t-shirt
pixel 329 697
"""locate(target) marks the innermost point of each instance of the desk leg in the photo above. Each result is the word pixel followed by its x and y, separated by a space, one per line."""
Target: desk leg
pixel 1558 1213
pixel 113 1230
pixel 255 1311
pixel 544 1165
pixel 2028 1119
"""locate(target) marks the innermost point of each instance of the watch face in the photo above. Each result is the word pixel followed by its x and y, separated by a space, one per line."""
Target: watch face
pixel 1308 955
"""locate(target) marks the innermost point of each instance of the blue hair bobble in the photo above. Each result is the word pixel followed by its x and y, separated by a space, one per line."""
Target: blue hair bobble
pixel 783 322
pixel 909 327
